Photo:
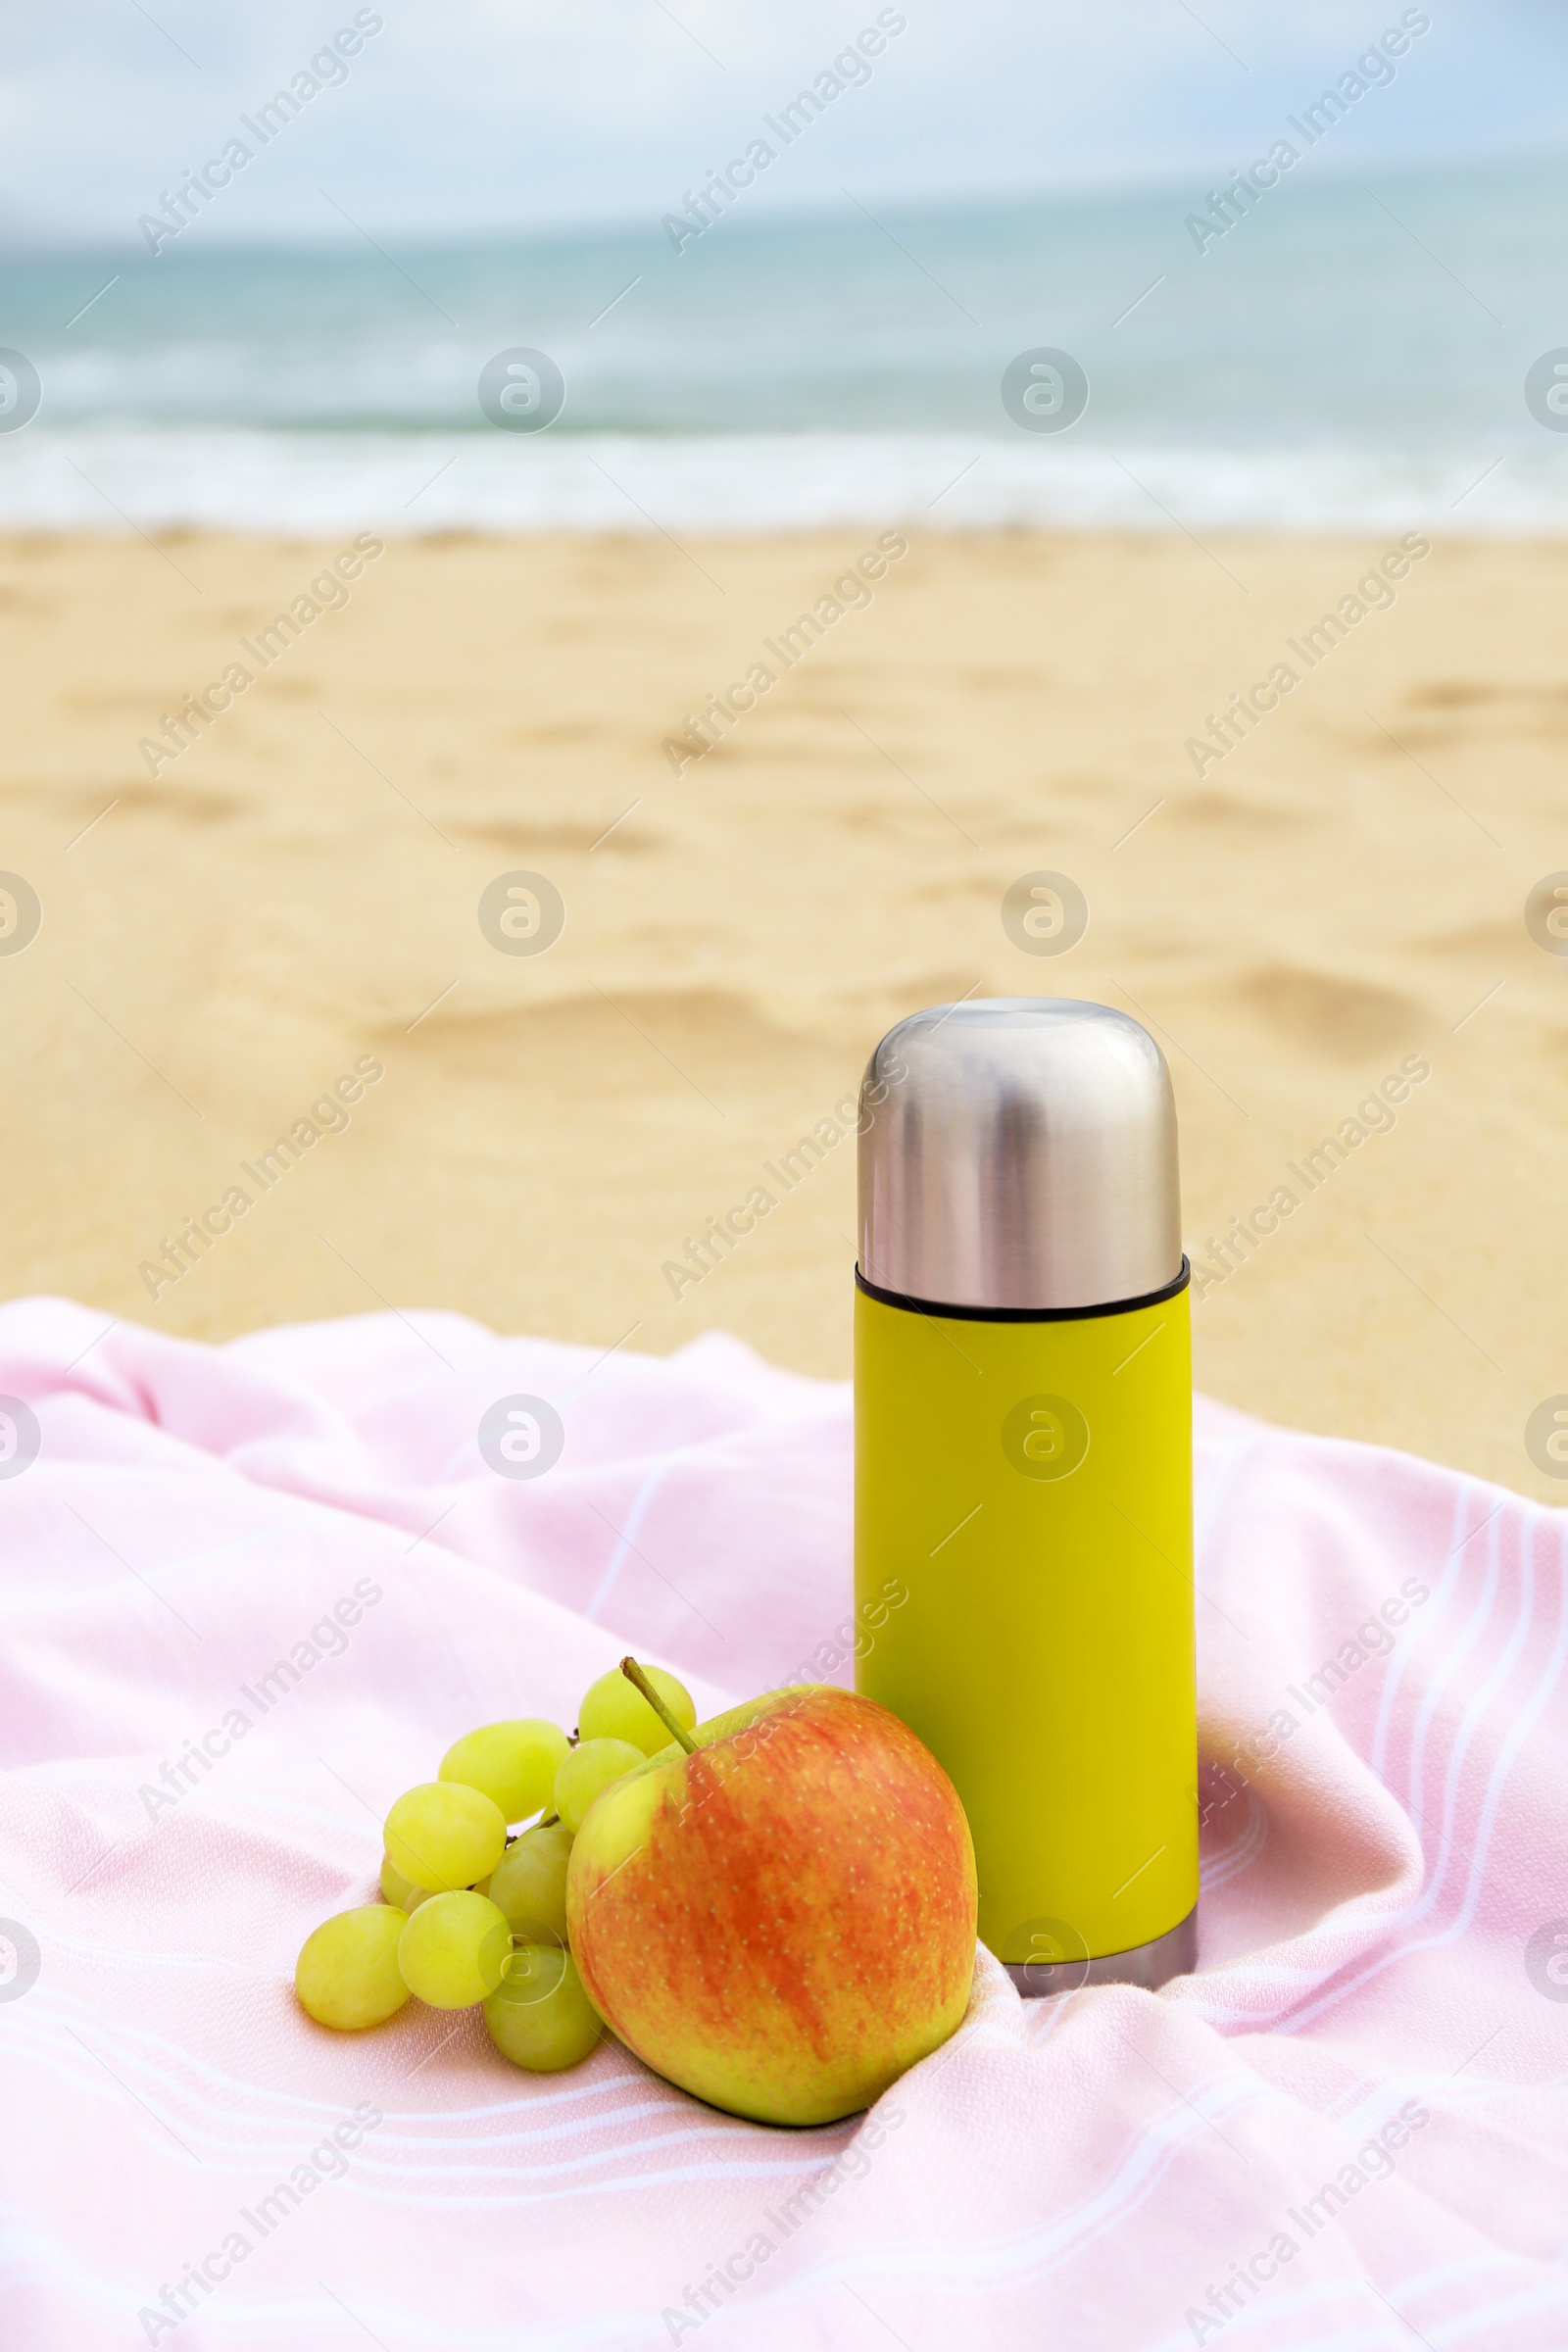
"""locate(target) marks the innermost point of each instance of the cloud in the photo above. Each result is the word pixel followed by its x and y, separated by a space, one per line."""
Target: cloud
pixel 504 116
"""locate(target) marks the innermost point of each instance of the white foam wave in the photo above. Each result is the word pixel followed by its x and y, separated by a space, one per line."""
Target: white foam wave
pixel 112 477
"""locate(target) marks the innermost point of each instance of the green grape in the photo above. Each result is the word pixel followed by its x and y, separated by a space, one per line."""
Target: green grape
pixel 539 2015
pixel 395 1887
pixel 513 1763
pixel 615 1709
pixel 591 1767
pixel 443 1836
pixel 454 1949
pixel 347 1974
pixel 529 1883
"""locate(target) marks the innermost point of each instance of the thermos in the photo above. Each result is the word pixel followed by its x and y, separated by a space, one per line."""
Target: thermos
pixel 1023 1468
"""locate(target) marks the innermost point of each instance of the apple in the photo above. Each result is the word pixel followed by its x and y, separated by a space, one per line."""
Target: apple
pixel 777 1912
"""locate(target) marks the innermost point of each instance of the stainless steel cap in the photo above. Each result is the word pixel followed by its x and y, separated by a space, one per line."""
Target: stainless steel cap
pixel 1019 1152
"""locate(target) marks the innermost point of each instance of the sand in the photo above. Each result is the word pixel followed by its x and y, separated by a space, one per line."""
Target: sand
pixel 297 894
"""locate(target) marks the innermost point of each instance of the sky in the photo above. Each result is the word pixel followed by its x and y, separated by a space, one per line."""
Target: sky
pixel 507 117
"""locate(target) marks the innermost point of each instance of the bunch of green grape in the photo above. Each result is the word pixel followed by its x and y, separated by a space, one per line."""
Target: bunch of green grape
pixel 474 1882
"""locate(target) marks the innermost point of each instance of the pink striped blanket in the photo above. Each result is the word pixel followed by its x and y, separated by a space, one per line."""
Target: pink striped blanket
pixel 251 1593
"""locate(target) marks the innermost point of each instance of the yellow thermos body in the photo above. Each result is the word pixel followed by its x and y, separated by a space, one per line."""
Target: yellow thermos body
pixel 1023 1547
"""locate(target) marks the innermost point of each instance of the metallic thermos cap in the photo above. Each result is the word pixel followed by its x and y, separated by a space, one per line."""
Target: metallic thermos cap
pixel 1019 1153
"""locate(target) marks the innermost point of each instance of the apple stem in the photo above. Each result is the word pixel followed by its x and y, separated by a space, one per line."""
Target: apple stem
pixel 636 1677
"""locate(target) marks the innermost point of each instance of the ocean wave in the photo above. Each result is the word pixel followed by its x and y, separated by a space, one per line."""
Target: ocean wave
pixel 317 484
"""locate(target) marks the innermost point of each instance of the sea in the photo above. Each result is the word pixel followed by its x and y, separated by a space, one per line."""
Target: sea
pixel 1345 354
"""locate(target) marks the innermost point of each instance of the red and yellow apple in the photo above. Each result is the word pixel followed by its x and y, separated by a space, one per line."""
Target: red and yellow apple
pixel 783 1919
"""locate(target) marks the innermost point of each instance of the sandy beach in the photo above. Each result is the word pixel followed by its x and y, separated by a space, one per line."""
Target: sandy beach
pixel 293 902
